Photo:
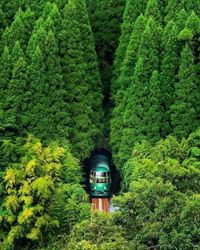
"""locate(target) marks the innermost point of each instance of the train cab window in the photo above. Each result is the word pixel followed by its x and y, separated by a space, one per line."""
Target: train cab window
pixel 101 174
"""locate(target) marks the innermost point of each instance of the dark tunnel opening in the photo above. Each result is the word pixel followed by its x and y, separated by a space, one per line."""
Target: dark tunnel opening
pixel 115 175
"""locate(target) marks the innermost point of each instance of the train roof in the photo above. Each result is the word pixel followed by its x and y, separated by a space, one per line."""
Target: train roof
pixel 101 169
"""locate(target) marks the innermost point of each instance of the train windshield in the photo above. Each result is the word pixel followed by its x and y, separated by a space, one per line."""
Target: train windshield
pixel 101 174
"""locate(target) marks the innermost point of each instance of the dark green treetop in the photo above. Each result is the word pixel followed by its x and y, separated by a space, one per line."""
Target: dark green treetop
pixel 51 10
pixel 132 10
pixel 173 8
pixel 169 67
pixel 16 32
pixel 123 83
pixel 15 101
pixel 185 110
pixel 37 118
pixel 90 57
pixel 138 104
pixel 181 18
pixel 83 130
pixel 153 9
pixel 5 71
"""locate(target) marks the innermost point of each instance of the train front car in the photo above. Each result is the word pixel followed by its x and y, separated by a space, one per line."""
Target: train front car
pixel 100 177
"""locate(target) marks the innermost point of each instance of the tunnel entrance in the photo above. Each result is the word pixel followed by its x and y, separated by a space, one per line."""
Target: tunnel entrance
pixel 115 176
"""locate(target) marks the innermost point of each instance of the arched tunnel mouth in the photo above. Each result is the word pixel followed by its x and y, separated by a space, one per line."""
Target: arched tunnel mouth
pixel 115 175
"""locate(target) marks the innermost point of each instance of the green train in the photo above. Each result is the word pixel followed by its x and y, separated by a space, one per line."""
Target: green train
pixel 100 176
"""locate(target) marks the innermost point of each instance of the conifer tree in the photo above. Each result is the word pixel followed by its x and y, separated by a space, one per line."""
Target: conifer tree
pixel 7 124
pixel 5 72
pixel 132 10
pixel 3 24
pixel 192 28
pixel 83 130
pixel 90 57
pixel 51 10
pixel 133 129
pixel 169 67
pixel 153 9
pixel 37 116
pixel 58 108
pixel 153 114
pixel 180 19
pixel 10 8
pixel 124 82
pixel 16 32
pixel 15 101
pixel 173 8
pixel 185 110
pixel 137 103
pixel 28 19
pixel 17 52
pixel 14 91
pixel 149 47
pixel 131 54
pixel 37 38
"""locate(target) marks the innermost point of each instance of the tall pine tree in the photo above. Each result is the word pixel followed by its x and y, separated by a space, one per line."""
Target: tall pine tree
pixel 185 110
pixel 136 112
pixel 132 10
pixel 90 57
pixel 37 118
pixel 16 32
pixel 169 67
pixel 83 130
pixel 124 82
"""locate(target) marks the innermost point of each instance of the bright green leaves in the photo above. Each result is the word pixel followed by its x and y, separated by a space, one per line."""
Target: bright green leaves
pixel 32 184
pixel 100 233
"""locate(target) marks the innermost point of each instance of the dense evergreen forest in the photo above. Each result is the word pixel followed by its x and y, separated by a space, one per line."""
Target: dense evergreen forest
pixel 78 75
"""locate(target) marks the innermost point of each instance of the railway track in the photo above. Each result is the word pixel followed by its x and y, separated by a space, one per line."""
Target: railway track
pixel 100 204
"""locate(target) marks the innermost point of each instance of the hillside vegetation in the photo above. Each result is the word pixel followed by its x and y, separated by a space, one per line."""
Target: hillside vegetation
pixel 79 74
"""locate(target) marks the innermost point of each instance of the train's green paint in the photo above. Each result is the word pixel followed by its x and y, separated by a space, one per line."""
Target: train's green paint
pixel 100 176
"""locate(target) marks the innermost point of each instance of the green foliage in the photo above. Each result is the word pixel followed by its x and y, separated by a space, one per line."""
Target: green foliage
pixel 53 54
pixel 10 8
pixel 36 115
pixel 137 121
pixel 169 67
pixel 5 72
pixel 83 125
pixel 17 31
pixel 32 185
pixel 106 17
pixel 90 57
pixel 69 205
pixel 97 233
pixel 132 10
pixel 185 110
pixel 124 82
pixel 163 189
